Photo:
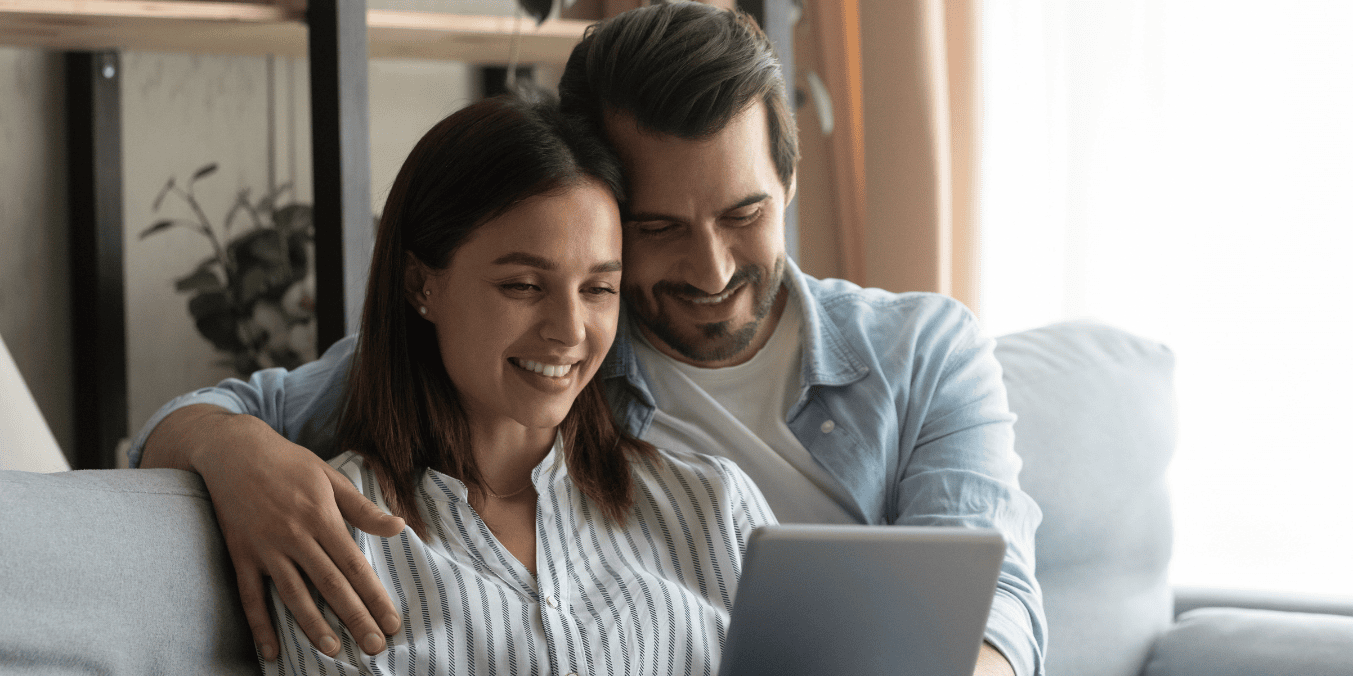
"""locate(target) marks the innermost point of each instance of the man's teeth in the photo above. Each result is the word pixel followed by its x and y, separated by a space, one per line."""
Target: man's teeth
pixel 547 370
pixel 711 300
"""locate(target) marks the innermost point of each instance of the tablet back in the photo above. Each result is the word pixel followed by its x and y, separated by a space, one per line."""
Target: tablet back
pixel 862 600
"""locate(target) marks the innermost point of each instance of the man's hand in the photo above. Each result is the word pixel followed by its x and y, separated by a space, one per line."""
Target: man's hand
pixel 281 511
pixel 990 662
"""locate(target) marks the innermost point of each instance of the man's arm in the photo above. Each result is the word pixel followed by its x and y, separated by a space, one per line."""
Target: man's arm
pixel 280 507
pixel 962 471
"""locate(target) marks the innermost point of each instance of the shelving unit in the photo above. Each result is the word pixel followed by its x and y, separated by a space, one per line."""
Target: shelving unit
pixel 337 42
pixel 247 28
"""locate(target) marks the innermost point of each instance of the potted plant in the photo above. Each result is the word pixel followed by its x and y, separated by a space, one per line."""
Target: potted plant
pixel 253 298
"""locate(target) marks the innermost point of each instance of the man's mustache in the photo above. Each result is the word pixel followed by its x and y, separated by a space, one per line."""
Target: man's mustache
pixel 746 274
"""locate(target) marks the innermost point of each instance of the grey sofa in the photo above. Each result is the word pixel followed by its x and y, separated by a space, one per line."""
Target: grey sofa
pixel 124 572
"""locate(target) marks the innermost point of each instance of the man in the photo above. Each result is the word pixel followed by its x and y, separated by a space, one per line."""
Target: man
pixel 845 405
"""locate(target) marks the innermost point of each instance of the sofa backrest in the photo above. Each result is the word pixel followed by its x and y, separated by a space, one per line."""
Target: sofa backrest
pixel 95 577
pixel 1096 431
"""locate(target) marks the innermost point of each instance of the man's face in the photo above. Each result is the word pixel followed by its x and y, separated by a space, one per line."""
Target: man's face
pixel 704 244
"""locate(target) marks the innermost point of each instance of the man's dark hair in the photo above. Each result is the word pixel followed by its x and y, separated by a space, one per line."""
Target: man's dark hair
pixel 683 69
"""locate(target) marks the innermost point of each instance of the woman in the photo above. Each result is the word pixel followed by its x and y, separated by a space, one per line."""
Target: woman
pixel 540 538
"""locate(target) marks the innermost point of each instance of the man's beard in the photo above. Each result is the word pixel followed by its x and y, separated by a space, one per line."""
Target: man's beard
pixel 720 340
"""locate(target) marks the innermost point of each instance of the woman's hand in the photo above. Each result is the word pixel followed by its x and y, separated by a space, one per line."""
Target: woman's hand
pixel 281 510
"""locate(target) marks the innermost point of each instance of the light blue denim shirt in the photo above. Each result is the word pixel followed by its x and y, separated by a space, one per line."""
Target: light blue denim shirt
pixel 920 431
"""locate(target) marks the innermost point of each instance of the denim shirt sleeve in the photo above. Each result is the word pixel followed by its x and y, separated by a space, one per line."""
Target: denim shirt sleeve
pixel 959 468
pixel 301 404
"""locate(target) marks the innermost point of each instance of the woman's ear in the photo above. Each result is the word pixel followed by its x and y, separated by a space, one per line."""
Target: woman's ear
pixel 416 278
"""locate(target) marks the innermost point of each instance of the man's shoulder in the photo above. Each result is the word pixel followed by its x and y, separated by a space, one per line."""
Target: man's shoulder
pixel 878 314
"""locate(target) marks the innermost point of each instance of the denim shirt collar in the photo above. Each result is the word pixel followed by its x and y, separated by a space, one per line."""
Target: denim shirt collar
pixel 828 359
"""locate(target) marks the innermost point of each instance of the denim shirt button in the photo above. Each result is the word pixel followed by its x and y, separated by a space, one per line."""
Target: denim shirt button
pixel 828 426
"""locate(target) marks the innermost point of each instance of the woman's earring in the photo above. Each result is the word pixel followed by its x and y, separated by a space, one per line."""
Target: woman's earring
pixel 423 310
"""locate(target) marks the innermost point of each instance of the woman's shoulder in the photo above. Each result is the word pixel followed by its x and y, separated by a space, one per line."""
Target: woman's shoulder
pixel 686 465
pixel 351 465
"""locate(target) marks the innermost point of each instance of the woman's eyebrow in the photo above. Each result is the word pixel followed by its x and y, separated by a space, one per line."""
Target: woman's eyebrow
pixel 523 258
pixel 534 261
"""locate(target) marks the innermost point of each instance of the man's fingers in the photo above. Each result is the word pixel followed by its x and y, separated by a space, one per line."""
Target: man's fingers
pixel 255 602
pixel 359 511
pixel 336 587
pixel 291 587
pixel 357 572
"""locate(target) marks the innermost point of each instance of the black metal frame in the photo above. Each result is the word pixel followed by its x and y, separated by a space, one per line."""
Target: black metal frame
pixel 98 317
pixel 340 134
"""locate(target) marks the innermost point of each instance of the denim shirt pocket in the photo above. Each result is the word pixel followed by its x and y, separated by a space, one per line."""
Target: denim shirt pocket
pixel 835 442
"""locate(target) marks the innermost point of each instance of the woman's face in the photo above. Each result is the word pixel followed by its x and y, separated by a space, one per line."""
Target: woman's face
pixel 527 308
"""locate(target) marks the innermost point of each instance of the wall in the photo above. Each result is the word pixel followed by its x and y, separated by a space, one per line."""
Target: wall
pixel 180 111
pixel 183 111
pixel 34 291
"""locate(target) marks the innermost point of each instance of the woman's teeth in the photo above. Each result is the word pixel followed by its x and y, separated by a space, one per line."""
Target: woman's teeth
pixel 547 370
pixel 711 300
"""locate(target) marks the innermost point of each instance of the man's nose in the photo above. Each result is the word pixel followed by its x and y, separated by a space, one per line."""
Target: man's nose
pixel 564 322
pixel 708 263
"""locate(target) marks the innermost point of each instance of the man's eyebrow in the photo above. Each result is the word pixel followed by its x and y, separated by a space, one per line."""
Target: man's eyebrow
pixel 532 260
pixel 650 216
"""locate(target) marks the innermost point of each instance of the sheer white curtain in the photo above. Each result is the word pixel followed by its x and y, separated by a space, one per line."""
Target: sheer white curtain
pixel 1183 169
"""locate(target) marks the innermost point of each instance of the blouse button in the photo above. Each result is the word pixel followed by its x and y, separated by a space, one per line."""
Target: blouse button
pixel 828 426
pixel 551 601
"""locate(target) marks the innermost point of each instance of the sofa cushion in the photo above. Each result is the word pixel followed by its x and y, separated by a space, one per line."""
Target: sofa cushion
pixel 1095 429
pixel 1246 642
pixel 117 572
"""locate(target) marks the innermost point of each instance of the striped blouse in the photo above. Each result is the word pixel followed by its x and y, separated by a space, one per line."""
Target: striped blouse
pixel 651 596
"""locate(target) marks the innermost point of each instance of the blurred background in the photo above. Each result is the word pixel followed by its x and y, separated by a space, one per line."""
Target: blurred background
pixel 1178 168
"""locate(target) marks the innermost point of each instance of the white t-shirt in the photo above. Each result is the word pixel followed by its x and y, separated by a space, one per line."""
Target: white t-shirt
pixel 739 412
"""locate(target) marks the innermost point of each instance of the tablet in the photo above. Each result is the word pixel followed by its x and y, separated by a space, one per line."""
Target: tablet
pixel 862 600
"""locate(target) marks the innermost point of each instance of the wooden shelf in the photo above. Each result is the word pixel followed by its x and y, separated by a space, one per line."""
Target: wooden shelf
pixel 244 28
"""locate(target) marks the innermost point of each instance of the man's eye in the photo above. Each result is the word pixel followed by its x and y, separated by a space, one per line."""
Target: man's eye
pixel 744 217
pixel 654 227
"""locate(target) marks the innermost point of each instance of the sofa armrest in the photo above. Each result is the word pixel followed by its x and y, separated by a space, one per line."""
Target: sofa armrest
pixel 1248 642
pixel 116 572
pixel 1192 598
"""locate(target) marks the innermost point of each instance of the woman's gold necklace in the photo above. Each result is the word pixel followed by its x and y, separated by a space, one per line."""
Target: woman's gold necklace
pixel 517 492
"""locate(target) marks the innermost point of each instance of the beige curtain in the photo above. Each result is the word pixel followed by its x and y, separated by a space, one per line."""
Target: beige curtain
pixel 888 198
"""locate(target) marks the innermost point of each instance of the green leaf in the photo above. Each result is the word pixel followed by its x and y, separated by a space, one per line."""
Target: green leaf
pixel 215 319
pixel 293 218
pixel 201 281
pixel 157 226
pixel 169 185
pixel 268 249
pixel 205 171
pixel 266 202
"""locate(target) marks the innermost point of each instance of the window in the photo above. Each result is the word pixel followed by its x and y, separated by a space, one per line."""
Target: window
pixel 1183 169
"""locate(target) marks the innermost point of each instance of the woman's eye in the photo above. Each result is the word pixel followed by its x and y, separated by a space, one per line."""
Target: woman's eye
pixel 518 286
pixel 601 290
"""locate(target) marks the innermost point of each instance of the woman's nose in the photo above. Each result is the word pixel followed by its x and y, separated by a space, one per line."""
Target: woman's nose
pixel 564 322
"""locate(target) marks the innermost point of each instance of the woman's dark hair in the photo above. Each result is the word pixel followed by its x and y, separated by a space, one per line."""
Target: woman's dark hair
pixel 683 69
pixel 401 411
